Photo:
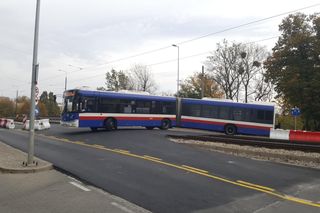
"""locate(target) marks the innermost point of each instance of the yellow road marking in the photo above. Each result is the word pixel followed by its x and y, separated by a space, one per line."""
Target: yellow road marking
pixel 122 150
pixel 98 146
pixel 196 169
pixel 255 185
pixel 200 172
pixel 153 158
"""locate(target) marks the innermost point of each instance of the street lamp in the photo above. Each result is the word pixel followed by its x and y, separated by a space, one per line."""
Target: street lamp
pixel 174 45
pixel 65 79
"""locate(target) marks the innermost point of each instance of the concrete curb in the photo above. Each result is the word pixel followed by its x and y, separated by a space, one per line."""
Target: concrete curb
pixel 11 161
pixel 24 170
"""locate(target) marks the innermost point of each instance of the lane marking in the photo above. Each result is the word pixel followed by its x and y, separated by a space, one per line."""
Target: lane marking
pixel 256 185
pixel 122 150
pixel 123 208
pixel 196 169
pixel 98 146
pixel 152 158
pixel 80 186
pixel 251 186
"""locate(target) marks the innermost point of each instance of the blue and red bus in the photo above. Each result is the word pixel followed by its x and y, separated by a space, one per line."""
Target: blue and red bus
pixel 105 109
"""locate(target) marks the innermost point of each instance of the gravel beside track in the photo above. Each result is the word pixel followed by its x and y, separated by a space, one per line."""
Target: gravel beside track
pixel 293 157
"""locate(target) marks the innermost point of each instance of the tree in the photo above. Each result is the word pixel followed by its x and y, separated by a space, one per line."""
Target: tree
pixel 191 87
pixel 49 100
pixel 252 73
pixel 223 67
pixel 6 107
pixel 294 67
pixel 237 70
pixel 142 78
pixel 117 80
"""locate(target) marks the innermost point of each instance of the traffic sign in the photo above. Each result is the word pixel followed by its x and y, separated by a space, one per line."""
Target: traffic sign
pixel 295 111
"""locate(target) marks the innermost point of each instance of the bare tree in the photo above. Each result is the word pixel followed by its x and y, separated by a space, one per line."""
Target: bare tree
pixel 237 69
pixel 142 78
pixel 251 71
pixel 223 67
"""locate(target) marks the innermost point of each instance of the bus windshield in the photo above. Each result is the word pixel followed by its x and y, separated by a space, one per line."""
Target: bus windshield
pixel 70 104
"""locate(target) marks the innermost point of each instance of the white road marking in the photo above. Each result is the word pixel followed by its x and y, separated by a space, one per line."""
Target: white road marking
pixel 80 186
pixel 123 208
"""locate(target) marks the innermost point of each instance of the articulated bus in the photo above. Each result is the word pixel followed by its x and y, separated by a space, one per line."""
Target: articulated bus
pixel 105 109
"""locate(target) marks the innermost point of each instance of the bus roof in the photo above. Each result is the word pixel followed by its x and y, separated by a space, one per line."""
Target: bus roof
pixel 113 94
pixel 222 102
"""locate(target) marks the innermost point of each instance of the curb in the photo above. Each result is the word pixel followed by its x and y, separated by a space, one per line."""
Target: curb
pixel 26 169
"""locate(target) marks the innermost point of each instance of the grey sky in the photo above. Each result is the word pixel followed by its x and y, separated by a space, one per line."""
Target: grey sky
pixel 89 33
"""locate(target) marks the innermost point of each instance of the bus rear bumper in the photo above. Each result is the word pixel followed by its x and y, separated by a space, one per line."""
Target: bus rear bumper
pixel 74 123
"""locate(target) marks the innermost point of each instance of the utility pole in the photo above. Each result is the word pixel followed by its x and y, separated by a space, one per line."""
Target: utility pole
pixel 34 78
pixel 202 82
pixel 17 95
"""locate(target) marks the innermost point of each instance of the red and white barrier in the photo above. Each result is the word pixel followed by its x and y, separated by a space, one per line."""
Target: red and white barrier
pixel 295 135
pixel 7 123
pixel 298 135
pixel 280 134
pixel 38 124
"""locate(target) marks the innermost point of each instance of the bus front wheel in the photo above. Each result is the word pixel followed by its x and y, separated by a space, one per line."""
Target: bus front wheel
pixel 230 129
pixel 110 124
pixel 165 124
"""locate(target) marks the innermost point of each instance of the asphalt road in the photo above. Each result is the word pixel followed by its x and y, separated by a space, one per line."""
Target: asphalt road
pixel 146 168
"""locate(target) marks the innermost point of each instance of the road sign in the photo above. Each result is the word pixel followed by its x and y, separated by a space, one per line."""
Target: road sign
pixel 37 111
pixel 295 111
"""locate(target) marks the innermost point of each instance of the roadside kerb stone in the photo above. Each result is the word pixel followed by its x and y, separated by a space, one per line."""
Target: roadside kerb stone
pixel 11 161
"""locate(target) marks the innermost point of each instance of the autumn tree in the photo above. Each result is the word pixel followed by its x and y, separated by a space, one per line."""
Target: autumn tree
pixel 191 87
pixel 294 67
pixel 6 107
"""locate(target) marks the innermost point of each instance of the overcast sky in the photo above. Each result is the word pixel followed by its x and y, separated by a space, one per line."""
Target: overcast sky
pixel 95 34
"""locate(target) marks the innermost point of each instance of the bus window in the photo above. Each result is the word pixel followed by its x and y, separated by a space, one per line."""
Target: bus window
pixel 192 110
pixel 209 111
pixel 168 108
pixel 224 112
pixel 88 104
pixel 143 107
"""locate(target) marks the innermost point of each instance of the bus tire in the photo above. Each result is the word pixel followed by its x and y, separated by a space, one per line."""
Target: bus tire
pixel 230 129
pixel 94 129
pixel 110 124
pixel 165 124
pixel 149 127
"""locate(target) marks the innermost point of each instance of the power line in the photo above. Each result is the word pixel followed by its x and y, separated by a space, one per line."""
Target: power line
pixel 171 60
pixel 187 41
pixel 207 35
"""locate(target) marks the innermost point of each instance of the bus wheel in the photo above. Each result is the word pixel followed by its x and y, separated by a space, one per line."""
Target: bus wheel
pixel 165 124
pixel 94 129
pixel 110 124
pixel 230 129
pixel 149 127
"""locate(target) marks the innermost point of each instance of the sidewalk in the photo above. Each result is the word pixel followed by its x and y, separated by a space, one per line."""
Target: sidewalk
pixel 43 189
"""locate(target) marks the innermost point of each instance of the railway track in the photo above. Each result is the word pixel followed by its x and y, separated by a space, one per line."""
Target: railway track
pixel 254 141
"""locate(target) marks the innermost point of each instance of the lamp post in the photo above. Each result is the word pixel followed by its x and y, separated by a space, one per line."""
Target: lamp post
pixel 65 79
pixel 174 45
pixel 34 77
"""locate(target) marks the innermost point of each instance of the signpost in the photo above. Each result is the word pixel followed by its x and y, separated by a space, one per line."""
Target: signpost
pixel 295 112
